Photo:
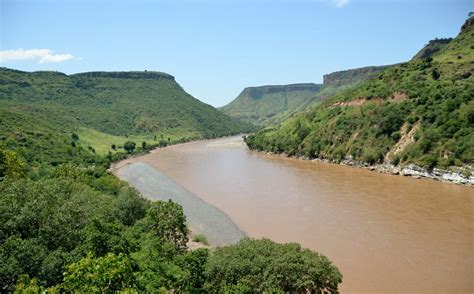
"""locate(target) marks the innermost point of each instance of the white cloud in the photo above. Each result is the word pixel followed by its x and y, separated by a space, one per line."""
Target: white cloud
pixel 43 55
pixel 340 3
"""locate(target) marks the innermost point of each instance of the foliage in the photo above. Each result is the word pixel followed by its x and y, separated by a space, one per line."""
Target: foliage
pixel 129 146
pixel 263 266
pixel 167 221
pixel 107 274
pixel 11 166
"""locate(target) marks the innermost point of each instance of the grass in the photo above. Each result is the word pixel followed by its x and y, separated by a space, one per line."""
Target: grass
pixel 200 238
pixel 102 142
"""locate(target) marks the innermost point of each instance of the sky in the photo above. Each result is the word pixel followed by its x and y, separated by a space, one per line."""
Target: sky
pixel 216 48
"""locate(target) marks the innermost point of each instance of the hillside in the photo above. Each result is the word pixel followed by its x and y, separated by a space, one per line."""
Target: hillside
pixel 268 105
pixel 418 112
pixel 108 108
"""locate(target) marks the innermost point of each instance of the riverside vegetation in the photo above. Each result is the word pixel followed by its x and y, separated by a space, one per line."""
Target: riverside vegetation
pixel 419 112
pixel 68 225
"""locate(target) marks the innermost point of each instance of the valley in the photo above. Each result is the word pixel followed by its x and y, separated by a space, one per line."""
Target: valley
pixel 121 181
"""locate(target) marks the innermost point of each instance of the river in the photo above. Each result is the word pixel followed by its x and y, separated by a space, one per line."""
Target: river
pixel 385 233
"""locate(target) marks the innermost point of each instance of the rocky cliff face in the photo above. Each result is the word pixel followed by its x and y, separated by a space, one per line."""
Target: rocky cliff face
pixel 125 75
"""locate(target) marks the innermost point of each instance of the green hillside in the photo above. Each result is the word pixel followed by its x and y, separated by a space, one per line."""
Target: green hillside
pixel 149 106
pixel 419 112
pixel 268 105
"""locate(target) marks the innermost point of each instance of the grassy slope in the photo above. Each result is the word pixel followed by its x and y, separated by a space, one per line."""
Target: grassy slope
pixel 267 105
pixel 138 105
pixel 434 95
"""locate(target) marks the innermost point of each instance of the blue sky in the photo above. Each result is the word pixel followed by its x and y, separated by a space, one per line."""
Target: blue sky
pixel 216 48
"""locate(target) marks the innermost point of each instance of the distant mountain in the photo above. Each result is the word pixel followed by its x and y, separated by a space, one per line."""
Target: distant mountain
pixel 267 105
pixel 418 112
pixel 106 108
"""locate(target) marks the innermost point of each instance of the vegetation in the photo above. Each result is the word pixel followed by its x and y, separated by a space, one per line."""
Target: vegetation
pixel 148 105
pixel 267 105
pixel 431 96
pixel 263 266
pixel 201 239
pixel 432 47
pixel 105 238
pixel 68 225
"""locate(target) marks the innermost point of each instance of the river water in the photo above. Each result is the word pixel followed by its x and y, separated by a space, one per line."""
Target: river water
pixel 385 233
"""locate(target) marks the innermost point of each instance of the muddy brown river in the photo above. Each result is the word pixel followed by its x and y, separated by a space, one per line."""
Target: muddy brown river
pixel 385 233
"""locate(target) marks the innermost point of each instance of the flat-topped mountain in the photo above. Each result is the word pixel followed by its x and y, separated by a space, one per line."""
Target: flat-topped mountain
pixel 105 108
pixel 266 105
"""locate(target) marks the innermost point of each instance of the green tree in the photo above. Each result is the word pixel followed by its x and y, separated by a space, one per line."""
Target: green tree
pixel 267 267
pixel 193 264
pixel 129 146
pixel 130 206
pixel 10 165
pixel 166 220
pixel 107 274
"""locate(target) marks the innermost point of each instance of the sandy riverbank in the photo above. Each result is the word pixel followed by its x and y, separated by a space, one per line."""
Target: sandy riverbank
pixel 202 217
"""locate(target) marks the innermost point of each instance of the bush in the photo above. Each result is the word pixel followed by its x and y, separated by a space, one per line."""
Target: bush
pixel 372 156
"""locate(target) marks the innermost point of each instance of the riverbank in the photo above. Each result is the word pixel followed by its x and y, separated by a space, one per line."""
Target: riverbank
pixel 203 218
pixel 409 170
